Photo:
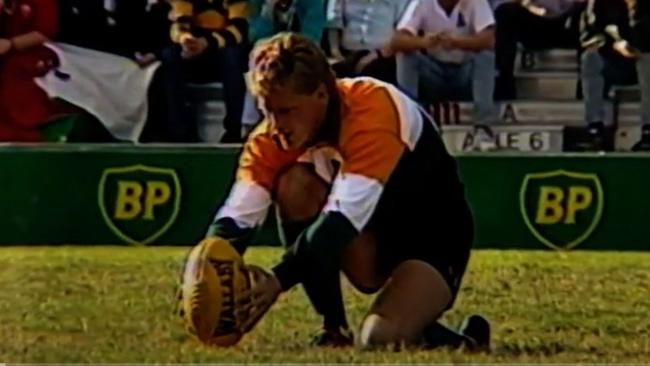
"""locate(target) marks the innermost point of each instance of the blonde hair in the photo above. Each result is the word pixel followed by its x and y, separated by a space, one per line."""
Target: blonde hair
pixel 289 60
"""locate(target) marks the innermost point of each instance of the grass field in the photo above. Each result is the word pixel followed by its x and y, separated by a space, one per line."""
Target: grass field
pixel 114 304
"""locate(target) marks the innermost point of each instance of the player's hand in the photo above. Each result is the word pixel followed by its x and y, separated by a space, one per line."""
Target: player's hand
pixel 447 41
pixel 255 302
pixel 5 46
pixel 534 9
pixel 193 47
pixel 431 41
pixel 624 49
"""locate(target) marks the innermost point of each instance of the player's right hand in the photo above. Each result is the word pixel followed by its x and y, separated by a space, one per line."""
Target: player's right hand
pixel 255 302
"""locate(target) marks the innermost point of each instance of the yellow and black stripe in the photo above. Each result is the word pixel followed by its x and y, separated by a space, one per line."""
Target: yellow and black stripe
pixel 225 23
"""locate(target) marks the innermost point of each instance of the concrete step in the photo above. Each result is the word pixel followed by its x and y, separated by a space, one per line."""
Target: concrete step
pixel 535 112
pixel 551 60
pixel 210 116
pixel 205 92
pixel 542 85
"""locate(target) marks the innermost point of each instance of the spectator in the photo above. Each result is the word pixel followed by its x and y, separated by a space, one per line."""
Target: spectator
pixel 359 36
pixel 617 52
pixel 269 17
pixel 537 24
pixel 458 36
pixel 121 27
pixel 25 25
pixel 105 84
pixel 210 44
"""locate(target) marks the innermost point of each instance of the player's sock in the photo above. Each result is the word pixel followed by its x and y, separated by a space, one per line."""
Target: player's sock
pixel 324 293
pixel 323 290
pixel 437 335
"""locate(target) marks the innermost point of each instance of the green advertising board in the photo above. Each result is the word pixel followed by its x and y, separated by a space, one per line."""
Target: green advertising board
pixel 167 195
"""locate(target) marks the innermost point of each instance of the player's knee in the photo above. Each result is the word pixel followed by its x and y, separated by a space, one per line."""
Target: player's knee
pixel 377 331
pixel 359 263
pixel 300 193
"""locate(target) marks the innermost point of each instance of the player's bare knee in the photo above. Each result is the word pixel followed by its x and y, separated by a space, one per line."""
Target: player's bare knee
pixel 377 331
pixel 360 264
pixel 300 194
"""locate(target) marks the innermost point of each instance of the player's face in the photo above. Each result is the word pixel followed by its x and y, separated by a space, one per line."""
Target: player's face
pixel 295 118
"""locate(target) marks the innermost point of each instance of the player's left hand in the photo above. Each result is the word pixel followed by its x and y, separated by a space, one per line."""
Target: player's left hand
pixel 255 302
pixel 447 41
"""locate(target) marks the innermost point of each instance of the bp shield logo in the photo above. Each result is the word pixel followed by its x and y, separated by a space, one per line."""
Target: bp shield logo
pixel 561 208
pixel 139 203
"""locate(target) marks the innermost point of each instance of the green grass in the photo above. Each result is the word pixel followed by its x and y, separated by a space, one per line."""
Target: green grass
pixel 113 304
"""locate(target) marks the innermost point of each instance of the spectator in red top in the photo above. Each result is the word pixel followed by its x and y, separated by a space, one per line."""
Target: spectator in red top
pixel 25 25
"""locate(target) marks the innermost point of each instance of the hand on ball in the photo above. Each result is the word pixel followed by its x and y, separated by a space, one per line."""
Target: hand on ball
pixel 255 302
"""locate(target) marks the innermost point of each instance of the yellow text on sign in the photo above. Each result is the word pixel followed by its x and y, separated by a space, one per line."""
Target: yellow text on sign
pixel 135 199
pixel 556 205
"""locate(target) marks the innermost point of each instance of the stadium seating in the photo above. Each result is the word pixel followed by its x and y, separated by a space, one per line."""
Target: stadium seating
pixel 547 117
pixel 548 106
pixel 208 106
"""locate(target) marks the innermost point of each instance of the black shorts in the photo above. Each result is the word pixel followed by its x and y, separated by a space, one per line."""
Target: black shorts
pixel 423 213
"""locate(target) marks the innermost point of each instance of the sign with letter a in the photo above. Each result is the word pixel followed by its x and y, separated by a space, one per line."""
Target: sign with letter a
pixel 139 203
pixel 561 208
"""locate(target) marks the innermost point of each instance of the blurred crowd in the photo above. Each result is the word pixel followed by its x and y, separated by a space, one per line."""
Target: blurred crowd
pixel 129 63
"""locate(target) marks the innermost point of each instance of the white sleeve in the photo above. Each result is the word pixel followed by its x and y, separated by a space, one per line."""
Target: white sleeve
pixel 247 204
pixel 412 17
pixel 401 8
pixel 355 196
pixel 482 15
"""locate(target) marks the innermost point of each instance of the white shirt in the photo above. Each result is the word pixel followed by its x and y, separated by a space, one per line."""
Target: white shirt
pixel 469 17
pixel 366 24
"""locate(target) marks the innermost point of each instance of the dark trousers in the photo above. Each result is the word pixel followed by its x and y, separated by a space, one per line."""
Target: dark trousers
pixel 226 65
pixel 515 24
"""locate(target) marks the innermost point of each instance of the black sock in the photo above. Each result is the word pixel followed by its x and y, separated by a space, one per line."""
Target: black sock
pixel 437 335
pixel 322 286
pixel 324 293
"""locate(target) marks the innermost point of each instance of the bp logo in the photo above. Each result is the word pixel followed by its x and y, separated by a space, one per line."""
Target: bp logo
pixel 561 208
pixel 139 203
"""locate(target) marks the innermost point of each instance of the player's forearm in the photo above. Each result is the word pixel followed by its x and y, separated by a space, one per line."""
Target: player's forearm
pixel 476 43
pixel 319 247
pixel 404 41
pixel 28 40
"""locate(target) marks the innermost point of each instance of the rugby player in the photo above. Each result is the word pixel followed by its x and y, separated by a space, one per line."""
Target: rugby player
pixel 362 184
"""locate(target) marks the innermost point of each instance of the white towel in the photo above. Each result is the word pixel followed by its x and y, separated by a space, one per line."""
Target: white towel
pixel 112 88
